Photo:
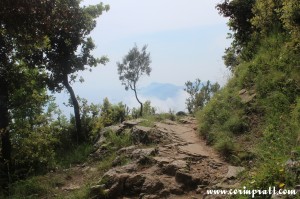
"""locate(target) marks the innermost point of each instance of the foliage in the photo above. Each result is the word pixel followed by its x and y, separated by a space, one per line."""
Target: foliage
pixel 231 58
pixel 199 94
pixel 148 110
pixel 239 13
pixel 134 65
pixel 112 114
pixel 66 39
pixel 41 48
pixel 75 155
pixel 260 130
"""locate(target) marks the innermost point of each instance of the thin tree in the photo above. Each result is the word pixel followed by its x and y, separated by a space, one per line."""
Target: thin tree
pixel 134 65
pixel 70 50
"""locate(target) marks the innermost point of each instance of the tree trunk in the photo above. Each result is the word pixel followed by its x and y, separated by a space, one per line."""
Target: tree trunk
pixel 79 136
pixel 141 111
pixel 5 138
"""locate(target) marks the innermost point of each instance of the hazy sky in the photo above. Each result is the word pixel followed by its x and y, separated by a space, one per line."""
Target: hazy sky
pixel 186 40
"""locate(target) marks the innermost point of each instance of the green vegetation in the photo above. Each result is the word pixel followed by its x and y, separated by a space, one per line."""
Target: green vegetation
pixel 199 94
pixel 254 120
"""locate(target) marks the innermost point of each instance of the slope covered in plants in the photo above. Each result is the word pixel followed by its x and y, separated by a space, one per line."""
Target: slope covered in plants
pixel 255 119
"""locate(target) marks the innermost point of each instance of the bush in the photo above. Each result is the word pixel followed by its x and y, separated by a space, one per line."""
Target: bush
pixel 226 146
pixel 74 155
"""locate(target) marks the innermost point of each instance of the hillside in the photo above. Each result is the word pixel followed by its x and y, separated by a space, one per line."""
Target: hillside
pixel 255 119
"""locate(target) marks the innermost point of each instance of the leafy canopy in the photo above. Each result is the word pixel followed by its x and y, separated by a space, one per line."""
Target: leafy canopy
pixel 135 64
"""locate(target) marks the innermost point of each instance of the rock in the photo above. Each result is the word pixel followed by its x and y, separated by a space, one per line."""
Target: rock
pixel 126 150
pixel 171 168
pixel 241 92
pixel 144 196
pixel 152 185
pixel 293 166
pixel 133 184
pixel 130 168
pixel 138 153
pixel 96 191
pixel 164 193
pixel 113 176
pixel 246 96
pixel 186 120
pixel 233 172
pixel 170 122
pixel 176 191
pixel 140 134
pixel 145 160
pixel 162 160
pixel 184 178
pixel 117 161
pixel 100 139
pixel 132 123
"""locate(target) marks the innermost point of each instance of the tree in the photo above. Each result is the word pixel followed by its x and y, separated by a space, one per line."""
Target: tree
pixel 69 34
pixel 21 38
pixel 134 65
pixel 239 13
pixel 200 94
pixel 34 35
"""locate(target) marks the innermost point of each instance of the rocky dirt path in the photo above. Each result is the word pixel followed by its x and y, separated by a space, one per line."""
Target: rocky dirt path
pixel 179 165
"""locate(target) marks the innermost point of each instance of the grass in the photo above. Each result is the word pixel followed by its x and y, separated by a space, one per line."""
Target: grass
pixel 75 155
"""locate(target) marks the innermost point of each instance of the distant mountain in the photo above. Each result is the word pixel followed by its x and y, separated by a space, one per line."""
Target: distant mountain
pixel 161 91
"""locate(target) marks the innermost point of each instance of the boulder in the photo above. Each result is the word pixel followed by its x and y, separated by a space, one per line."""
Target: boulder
pixel 145 135
pixel 140 134
pixel 152 185
pixel 133 184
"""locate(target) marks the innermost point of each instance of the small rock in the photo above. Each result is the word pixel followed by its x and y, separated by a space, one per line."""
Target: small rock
pixel 233 172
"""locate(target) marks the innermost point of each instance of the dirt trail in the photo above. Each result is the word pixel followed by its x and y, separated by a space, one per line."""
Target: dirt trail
pixel 179 165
